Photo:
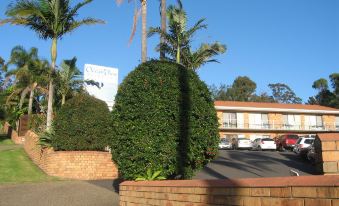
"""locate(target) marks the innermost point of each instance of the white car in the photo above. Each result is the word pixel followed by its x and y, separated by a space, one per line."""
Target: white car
pixel 302 146
pixel 242 143
pixel 224 144
pixel 264 144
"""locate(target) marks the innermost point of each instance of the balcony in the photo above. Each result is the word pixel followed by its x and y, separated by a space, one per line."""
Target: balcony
pixel 272 126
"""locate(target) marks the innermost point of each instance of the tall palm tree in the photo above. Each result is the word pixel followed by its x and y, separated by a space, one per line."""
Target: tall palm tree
pixel 29 71
pixel 178 40
pixel 68 78
pixel 23 61
pixel 163 27
pixel 50 19
pixel 143 26
pixel 204 54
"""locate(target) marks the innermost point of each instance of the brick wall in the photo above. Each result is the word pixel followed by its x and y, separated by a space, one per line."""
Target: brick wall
pixel 84 165
pixel 7 129
pixel 296 191
pixel 328 153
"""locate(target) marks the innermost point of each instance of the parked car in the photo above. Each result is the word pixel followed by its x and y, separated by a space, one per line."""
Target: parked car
pixel 241 143
pixel 264 144
pixel 302 145
pixel 286 141
pixel 225 144
pixel 311 154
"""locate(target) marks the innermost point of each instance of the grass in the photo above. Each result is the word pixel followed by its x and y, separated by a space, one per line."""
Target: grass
pixel 4 140
pixel 16 167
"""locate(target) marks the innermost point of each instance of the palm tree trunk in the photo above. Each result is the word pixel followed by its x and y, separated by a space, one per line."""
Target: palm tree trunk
pixel 178 54
pixel 51 86
pixel 30 102
pixel 22 97
pixel 163 28
pixel 144 31
pixel 63 100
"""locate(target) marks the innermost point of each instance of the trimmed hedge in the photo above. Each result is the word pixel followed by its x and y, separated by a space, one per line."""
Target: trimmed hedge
pixel 82 123
pixel 163 119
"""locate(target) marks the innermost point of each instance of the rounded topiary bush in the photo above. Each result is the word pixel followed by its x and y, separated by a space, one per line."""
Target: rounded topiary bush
pixel 164 119
pixel 82 123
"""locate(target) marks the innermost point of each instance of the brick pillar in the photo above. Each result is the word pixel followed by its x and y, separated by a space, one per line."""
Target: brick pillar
pixel 327 147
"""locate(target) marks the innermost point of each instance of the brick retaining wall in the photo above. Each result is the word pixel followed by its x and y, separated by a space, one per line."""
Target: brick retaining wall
pixel 13 134
pixel 296 191
pixel 329 153
pixel 84 165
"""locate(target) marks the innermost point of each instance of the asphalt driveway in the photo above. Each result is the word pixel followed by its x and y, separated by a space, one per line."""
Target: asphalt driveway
pixel 59 193
pixel 250 164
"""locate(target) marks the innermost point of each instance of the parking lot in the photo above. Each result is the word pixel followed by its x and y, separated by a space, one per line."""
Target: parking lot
pixel 251 164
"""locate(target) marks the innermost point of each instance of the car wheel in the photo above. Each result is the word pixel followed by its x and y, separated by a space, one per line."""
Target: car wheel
pixel 259 148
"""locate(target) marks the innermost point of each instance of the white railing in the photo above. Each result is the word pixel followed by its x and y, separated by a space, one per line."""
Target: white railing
pixel 272 125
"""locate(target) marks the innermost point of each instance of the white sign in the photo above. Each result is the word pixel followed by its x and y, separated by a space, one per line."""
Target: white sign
pixel 107 78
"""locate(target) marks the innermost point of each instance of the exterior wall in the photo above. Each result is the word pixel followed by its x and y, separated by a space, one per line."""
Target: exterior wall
pixel 329 153
pixel 276 121
pixel 329 121
pixel 84 165
pixel 296 191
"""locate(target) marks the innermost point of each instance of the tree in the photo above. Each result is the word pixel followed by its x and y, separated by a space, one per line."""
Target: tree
pixel 163 28
pixel 50 19
pixel 325 96
pixel 24 73
pixel 178 40
pixel 68 78
pixel 263 97
pixel 243 88
pixel 143 26
pixel 284 94
pixel 164 112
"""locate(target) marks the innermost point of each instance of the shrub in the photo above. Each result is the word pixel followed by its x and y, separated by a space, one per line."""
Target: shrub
pixel 37 123
pixel 83 123
pixel 164 119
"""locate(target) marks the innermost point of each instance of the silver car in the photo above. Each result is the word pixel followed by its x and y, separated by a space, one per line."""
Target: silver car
pixel 225 144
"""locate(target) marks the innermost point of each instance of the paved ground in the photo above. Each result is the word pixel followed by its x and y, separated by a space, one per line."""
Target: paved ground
pixel 60 193
pixel 249 164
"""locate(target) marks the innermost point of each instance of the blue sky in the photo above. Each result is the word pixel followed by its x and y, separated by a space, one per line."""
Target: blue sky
pixel 270 41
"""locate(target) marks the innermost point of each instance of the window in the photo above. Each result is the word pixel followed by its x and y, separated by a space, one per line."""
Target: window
pixel 292 121
pixel 313 122
pixel 230 120
pixel 337 122
pixel 258 121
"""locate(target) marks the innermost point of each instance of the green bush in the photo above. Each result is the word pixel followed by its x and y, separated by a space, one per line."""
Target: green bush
pixel 37 123
pixel 164 119
pixel 83 123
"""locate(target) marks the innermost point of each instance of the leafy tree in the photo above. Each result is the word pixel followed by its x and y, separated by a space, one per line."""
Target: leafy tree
pixel 177 42
pixel 325 96
pixel 164 112
pixel 263 97
pixel 242 89
pixel 284 94
pixel 50 19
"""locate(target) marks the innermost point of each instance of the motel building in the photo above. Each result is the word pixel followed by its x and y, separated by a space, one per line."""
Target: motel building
pixel 261 120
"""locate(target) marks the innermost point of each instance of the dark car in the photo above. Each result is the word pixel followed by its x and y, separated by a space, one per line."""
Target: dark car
pixel 286 141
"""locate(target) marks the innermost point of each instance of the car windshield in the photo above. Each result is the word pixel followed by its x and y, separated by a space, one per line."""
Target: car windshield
pixel 267 139
pixel 309 141
pixel 293 137
pixel 299 140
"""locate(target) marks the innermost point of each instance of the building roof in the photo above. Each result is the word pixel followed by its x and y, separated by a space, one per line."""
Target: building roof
pixel 263 106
